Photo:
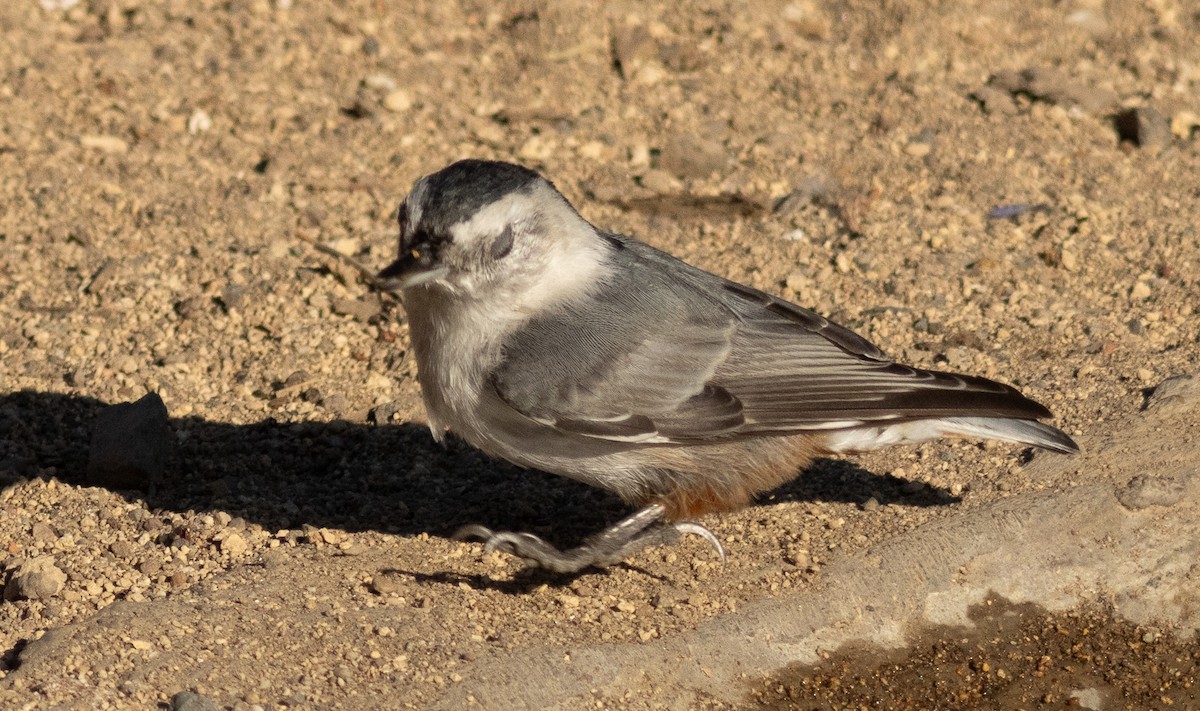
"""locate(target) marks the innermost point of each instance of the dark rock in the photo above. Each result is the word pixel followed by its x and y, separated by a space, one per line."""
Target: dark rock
pixel 130 444
pixel 189 701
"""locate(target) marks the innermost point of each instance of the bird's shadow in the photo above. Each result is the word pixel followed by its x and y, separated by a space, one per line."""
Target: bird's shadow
pixel 356 477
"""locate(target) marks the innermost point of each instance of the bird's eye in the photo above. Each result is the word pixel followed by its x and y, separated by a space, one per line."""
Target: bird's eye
pixel 503 243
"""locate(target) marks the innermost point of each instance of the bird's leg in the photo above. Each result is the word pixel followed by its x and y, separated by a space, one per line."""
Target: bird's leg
pixel 643 528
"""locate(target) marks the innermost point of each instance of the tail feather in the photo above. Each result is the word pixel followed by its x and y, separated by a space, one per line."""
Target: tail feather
pixel 1004 429
pixel 1029 432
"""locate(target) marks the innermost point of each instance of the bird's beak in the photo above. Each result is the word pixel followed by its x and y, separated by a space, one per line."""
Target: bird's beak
pixel 413 268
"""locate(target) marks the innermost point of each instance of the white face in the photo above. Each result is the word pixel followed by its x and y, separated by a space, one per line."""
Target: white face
pixel 526 246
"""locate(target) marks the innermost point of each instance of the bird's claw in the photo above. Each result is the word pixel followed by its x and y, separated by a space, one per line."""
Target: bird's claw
pixel 609 546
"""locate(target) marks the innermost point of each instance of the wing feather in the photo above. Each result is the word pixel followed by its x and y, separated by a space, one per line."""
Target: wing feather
pixel 665 353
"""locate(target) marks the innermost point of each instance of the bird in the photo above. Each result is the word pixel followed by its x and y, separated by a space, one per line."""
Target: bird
pixel 545 341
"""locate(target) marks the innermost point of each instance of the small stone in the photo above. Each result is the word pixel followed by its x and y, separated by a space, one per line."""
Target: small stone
pixel 43 532
pixel 123 549
pixel 130 444
pixel 796 281
pixel 106 144
pixel 1140 291
pixel 198 122
pixel 871 504
pixel 1145 127
pixel 189 701
pixel 233 296
pixel 1177 394
pixel 995 101
pixel 234 545
pixel 918 149
pixel 592 150
pixel 661 182
pixel 36 579
pixel 1184 124
pixel 337 404
pixel 362 309
pixel 1069 261
pixel 386 584
pixel 690 156
pixel 537 148
pixel 626 607
pixel 631 48
pixel 383 414
pixel 398 101
pixel 808 18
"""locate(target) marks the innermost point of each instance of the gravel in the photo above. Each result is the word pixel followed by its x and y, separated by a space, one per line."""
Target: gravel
pixel 279 529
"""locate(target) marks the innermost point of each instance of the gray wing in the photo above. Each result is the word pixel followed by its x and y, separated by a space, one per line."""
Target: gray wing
pixel 667 353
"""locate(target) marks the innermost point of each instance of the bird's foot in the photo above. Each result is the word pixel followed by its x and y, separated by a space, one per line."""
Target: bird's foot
pixel 640 530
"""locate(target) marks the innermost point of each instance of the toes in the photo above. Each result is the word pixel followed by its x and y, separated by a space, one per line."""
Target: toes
pixel 698 530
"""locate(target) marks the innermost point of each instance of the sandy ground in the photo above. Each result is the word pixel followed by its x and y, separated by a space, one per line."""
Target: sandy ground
pixel 1002 188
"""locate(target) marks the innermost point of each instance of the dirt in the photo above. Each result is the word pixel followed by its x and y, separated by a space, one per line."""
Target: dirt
pixel 1006 189
pixel 1015 656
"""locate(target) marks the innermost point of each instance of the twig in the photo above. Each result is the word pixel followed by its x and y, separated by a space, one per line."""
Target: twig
pixel 366 272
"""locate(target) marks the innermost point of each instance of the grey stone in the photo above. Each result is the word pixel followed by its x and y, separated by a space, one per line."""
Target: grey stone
pixel 189 701
pixel 1175 395
pixel 1145 127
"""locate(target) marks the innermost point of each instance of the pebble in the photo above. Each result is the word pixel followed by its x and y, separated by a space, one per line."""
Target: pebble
pixel 36 579
pixel 661 182
pixel 690 156
pixel 362 309
pixel 398 101
pixel 1177 394
pixel 43 532
pixel 130 444
pixel 1056 87
pixel 1184 124
pixel 106 144
pixel 234 545
pixel 199 122
pixel 1144 127
pixel 1140 291
pixel 631 47
pixel 189 701
pixel 808 19
pixel 994 100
